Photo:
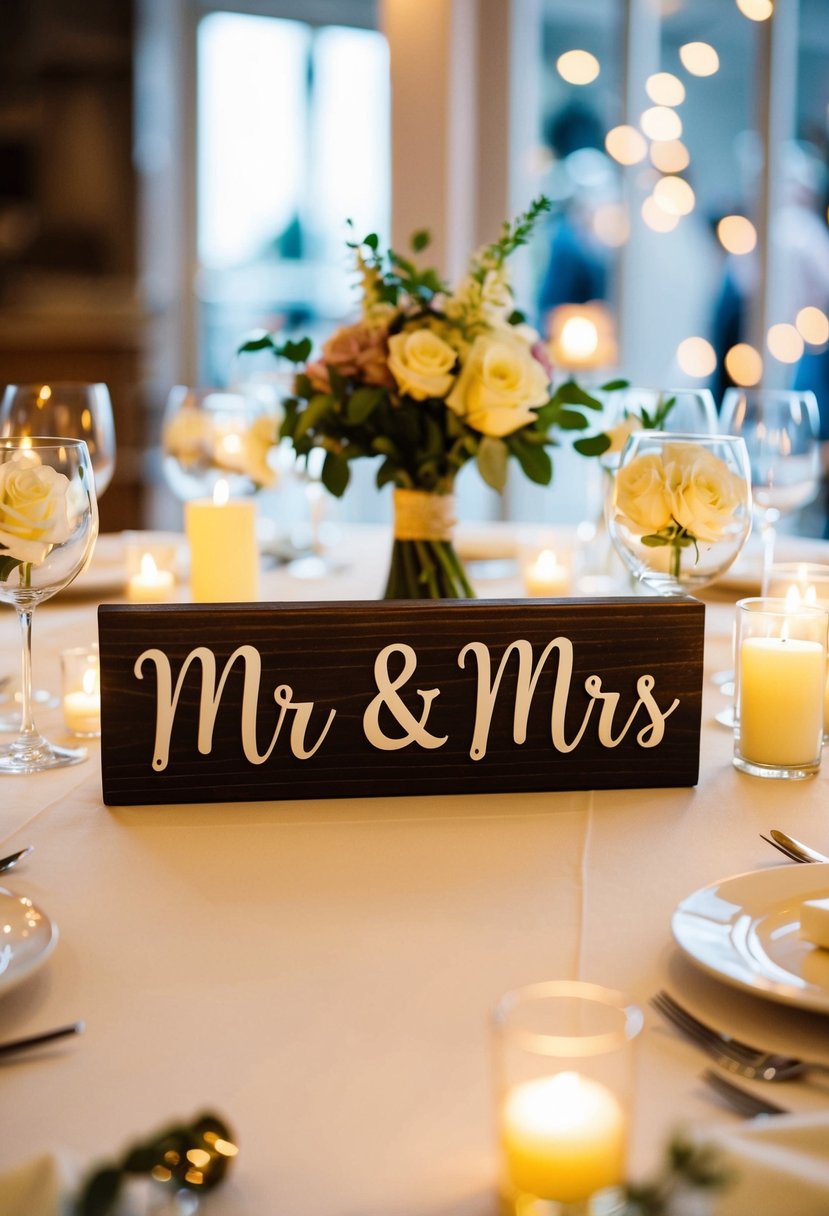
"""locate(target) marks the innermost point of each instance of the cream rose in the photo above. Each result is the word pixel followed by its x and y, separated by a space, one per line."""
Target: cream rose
pixel 704 492
pixel 641 495
pixel 500 386
pixel 38 509
pixel 421 363
pixel 621 432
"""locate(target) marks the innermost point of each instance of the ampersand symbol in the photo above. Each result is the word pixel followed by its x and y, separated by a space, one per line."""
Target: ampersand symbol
pixel 387 695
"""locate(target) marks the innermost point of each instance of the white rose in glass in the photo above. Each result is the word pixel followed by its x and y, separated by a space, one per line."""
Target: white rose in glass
pixel 188 435
pixel 640 494
pixel 704 492
pixel 500 386
pixel 38 509
pixel 422 364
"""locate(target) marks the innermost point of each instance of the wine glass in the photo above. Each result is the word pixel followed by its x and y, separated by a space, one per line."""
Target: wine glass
pixel 72 409
pixel 216 434
pixel 679 511
pixel 48 526
pixel 76 410
pixel 780 429
pixel 690 411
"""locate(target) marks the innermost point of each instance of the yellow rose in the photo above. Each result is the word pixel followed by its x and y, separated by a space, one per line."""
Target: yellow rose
pixel 500 385
pixel 37 510
pixel 704 492
pixel 641 495
pixel 421 363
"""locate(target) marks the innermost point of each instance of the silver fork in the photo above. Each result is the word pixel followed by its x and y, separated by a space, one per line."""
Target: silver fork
pixel 732 1054
pixel 740 1099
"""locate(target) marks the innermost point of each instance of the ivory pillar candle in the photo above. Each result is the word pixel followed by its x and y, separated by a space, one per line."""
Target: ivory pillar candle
pixel 780 657
pixel 564 1137
pixel 783 688
pixel 224 559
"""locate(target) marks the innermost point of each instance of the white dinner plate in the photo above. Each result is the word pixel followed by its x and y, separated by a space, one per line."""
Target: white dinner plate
pixel 744 930
pixel 27 938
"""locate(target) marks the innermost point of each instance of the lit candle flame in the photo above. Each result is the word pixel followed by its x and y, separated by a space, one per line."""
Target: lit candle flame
pixel 221 493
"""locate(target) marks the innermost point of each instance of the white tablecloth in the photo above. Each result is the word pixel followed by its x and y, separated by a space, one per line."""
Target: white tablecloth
pixel 321 972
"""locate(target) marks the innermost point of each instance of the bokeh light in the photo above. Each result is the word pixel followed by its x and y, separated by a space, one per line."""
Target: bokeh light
pixel 756 10
pixel 813 325
pixel 699 58
pixel 784 343
pixel 696 357
pixel 670 155
pixel 674 195
pixel 660 122
pixel 626 145
pixel 737 234
pixel 611 224
pixel 657 219
pixel 665 89
pixel 578 67
pixel 744 365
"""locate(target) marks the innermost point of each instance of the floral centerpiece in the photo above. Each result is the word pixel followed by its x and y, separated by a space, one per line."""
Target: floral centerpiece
pixel 430 378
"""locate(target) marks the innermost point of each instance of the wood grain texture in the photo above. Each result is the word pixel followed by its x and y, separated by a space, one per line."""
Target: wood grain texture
pixel 326 653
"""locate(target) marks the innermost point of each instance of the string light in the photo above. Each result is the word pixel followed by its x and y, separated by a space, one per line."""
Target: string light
pixel 699 58
pixel 696 357
pixel 784 343
pixel 756 10
pixel 657 219
pixel 813 325
pixel 674 195
pixel 660 122
pixel 670 155
pixel 736 234
pixel 626 145
pixel 744 365
pixel 665 89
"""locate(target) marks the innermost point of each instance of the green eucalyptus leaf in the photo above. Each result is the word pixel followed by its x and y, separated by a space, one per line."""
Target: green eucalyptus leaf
pixel 383 446
pixel 420 240
pixel 372 241
pixel 535 462
pixel 570 393
pixel 335 474
pixel 491 459
pixel 313 414
pixel 295 352
pixel 362 403
pixel 613 386
pixel 572 420
pixel 264 341
pixel 593 445
pixel 655 541
pixel 385 473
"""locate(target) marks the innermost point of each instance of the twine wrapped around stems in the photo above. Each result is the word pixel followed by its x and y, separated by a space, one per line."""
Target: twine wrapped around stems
pixel 424 564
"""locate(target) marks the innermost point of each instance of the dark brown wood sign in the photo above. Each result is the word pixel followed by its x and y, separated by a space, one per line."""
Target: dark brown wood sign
pixel 273 701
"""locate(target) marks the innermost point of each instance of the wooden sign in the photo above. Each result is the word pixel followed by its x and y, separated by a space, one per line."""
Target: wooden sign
pixel 273 701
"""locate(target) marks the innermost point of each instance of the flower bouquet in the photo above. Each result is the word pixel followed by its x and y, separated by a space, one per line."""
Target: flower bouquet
pixel 427 379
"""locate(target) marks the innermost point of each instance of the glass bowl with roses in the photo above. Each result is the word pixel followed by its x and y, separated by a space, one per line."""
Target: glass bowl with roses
pixel 425 380
pixel 679 510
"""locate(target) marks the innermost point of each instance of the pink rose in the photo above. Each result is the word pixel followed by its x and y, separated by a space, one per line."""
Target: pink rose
pixel 541 352
pixel 357 350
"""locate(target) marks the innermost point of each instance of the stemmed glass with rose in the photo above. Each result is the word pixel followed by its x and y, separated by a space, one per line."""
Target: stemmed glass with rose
pixel 48 526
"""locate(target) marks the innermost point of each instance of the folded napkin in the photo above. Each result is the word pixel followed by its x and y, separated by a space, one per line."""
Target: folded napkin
pixel 781 1167
pixel 38 1187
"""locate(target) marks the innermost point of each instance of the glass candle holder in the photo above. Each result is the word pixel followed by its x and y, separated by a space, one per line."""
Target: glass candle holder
pixel 81 691
pixel 152 563
pixel 780 665
pixel 564 1070
pixel 544 574
pixel 807 583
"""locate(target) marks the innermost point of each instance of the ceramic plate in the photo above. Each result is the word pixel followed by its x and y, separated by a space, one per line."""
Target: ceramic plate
pixel 744 930
pixel 27 938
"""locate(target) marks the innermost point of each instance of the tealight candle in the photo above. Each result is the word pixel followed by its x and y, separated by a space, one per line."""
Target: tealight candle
pixel 224 559
pixel 150 585
pixel 564 1071
pixel 545 577
pixel 564 1137
pixel 81 691
pixel 780 653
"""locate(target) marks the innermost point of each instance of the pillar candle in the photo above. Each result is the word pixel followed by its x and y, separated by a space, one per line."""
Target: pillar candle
pixel 82 706
pixel 564 1137
pixel 224 559
pixel 782 693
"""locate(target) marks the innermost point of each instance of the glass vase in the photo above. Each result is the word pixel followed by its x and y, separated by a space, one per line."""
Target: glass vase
pixel 424 564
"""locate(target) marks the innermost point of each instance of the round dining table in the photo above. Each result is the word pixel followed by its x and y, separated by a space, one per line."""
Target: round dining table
pixel 322 973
